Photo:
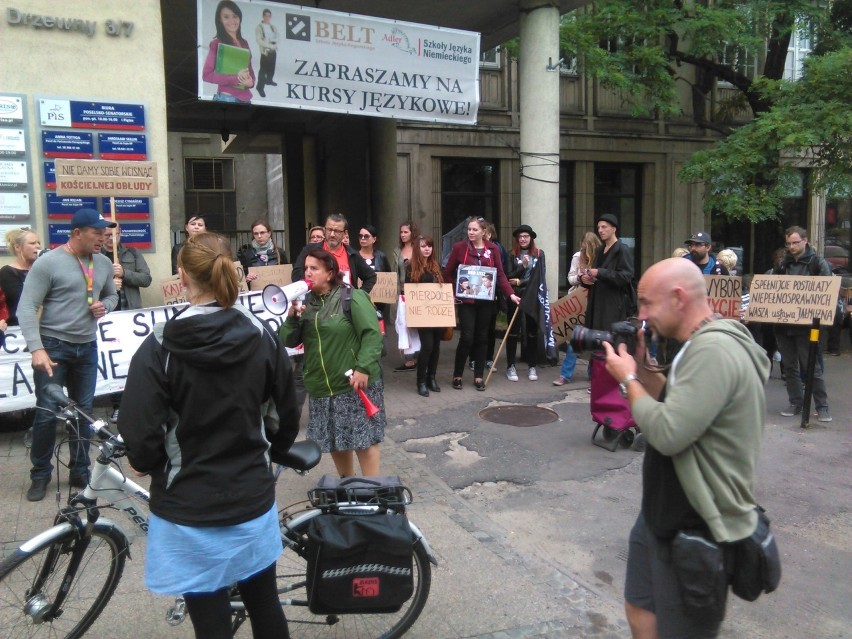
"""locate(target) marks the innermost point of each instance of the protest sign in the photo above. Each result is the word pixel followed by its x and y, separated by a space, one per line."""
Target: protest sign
pixel 475 282
pixel 280 275
pixel 792 299
pixel 429 305
pixel 106 178
pixel 241 276
pixel 173 291
pixel 725 295
pixel 568 312
pixel 384 292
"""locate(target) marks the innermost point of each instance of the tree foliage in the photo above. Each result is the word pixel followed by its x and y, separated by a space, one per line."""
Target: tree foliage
pixel 646 49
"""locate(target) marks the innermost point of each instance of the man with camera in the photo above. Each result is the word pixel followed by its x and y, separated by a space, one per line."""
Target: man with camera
pixel 703 426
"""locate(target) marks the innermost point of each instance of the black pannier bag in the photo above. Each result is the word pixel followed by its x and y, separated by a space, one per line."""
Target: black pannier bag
pixel 359 563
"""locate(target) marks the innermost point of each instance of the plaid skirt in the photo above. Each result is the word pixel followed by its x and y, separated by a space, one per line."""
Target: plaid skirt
pixel 340 422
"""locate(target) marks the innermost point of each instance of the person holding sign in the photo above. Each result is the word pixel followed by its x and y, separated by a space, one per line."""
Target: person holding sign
pixel 73 286
pixel 519 266
pixel 197 415
pixel 475 314
pixel 424 268
pixel 792 339
pixel 338 341
pixel 374 258
pixel 228 62
pixel 262 250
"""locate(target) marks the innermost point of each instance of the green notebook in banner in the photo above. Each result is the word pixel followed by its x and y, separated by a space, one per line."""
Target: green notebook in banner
pixel 231 60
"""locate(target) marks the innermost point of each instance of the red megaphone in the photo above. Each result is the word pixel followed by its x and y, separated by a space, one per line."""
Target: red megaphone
pixel 369 406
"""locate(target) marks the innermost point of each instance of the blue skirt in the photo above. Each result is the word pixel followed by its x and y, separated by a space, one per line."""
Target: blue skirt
pixel 181 559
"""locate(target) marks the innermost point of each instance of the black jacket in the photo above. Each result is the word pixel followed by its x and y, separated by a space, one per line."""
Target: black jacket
pixel 248 257
pixel 611 296
pixel 359 267
pixel 193 415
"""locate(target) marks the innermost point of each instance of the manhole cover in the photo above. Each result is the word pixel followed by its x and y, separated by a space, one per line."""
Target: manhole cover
pixel 522 416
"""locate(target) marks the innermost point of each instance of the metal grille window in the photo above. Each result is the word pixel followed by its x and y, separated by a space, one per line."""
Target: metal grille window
pixel 210 191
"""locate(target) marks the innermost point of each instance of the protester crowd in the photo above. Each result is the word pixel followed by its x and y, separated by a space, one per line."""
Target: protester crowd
pixel 697 475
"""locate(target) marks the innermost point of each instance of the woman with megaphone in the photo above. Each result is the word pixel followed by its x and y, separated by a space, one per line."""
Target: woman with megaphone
pixel 343 343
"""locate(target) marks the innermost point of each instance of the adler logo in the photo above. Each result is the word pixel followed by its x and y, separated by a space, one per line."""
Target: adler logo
pixel 7 106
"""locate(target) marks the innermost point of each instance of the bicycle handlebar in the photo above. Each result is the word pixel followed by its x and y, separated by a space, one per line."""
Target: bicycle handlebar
pixel 54 393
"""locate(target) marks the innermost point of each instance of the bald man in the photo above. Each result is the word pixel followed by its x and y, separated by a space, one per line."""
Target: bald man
pixel 704 425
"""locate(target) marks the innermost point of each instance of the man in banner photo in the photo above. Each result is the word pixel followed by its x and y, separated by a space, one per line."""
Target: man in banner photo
pixel 536 304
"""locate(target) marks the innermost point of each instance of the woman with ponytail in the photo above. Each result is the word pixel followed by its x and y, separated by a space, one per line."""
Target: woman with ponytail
pixel 192 415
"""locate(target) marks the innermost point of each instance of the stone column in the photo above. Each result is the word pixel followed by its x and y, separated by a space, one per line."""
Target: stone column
pixel 383 186
pixel 539 102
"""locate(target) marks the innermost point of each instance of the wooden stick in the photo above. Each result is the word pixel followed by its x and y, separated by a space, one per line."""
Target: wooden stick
pixel 114 231
pixel 505 337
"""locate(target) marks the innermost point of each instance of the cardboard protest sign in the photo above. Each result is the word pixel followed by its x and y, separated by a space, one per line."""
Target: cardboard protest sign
pixel 241 275
pixel 792 299
pixel 105 177
pixel 429 305
pixel 280 275
pixel 173 291
pixel 384 292
pixel 568 312
pixel 725 294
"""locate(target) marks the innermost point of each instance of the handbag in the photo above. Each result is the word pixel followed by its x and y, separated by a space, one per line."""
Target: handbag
pixel 756 563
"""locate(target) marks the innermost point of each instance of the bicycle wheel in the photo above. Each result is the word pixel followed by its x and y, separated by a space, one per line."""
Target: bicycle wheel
pixel 30 579
pixel 291 569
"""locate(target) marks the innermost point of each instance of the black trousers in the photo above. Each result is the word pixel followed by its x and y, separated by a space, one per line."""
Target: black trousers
pixel 267 69
pixel 430 351
pixel 474 320
pixel 526 329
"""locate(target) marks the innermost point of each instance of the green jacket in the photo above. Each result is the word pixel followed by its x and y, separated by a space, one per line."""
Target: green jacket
pixel 333 344
pixel 711 424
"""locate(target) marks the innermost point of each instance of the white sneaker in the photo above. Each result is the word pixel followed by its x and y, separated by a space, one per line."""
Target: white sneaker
pixel 512 374
pixel 532 374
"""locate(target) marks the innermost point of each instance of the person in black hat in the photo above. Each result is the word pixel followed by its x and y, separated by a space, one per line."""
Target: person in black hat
pixel 699 254
pixel 610 279
pixel 73 285
pixel 519 266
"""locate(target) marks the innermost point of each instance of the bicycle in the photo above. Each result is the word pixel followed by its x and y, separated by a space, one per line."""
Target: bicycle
pixel 57 583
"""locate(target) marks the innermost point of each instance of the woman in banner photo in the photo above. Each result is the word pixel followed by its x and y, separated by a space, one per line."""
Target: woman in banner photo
pixel 401 256
pixel 262 250
pixel 194 225
pixel 475 315
pixel 581 261
pixel 25 245
pixel 225 68
pixel 197 416
pixel 424 268
pixel 338 342
pixel 520 263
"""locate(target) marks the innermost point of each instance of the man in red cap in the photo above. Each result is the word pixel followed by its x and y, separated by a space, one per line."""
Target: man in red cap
pixel 73 285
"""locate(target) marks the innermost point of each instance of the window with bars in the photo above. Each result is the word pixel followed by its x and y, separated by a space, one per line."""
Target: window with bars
pixel 209 190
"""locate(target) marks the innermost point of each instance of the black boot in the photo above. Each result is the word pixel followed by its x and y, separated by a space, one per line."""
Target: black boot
pixel 432 385
pixel 422 390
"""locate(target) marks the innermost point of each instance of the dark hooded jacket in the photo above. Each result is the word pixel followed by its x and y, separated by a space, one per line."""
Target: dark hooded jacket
pixel 198 410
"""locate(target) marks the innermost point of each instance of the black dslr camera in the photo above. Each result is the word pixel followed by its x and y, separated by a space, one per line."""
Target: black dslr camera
pixel 625 332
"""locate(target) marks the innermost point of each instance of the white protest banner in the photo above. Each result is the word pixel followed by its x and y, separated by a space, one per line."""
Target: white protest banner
pixel 279 274
pixel 345 63
pixel 119 334
pixel 384 292
pixel 429 305
pixel 725 295
pixel 792 299
pixel 568 312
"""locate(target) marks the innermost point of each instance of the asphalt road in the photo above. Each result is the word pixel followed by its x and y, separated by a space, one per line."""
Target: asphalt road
pixel 572 504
